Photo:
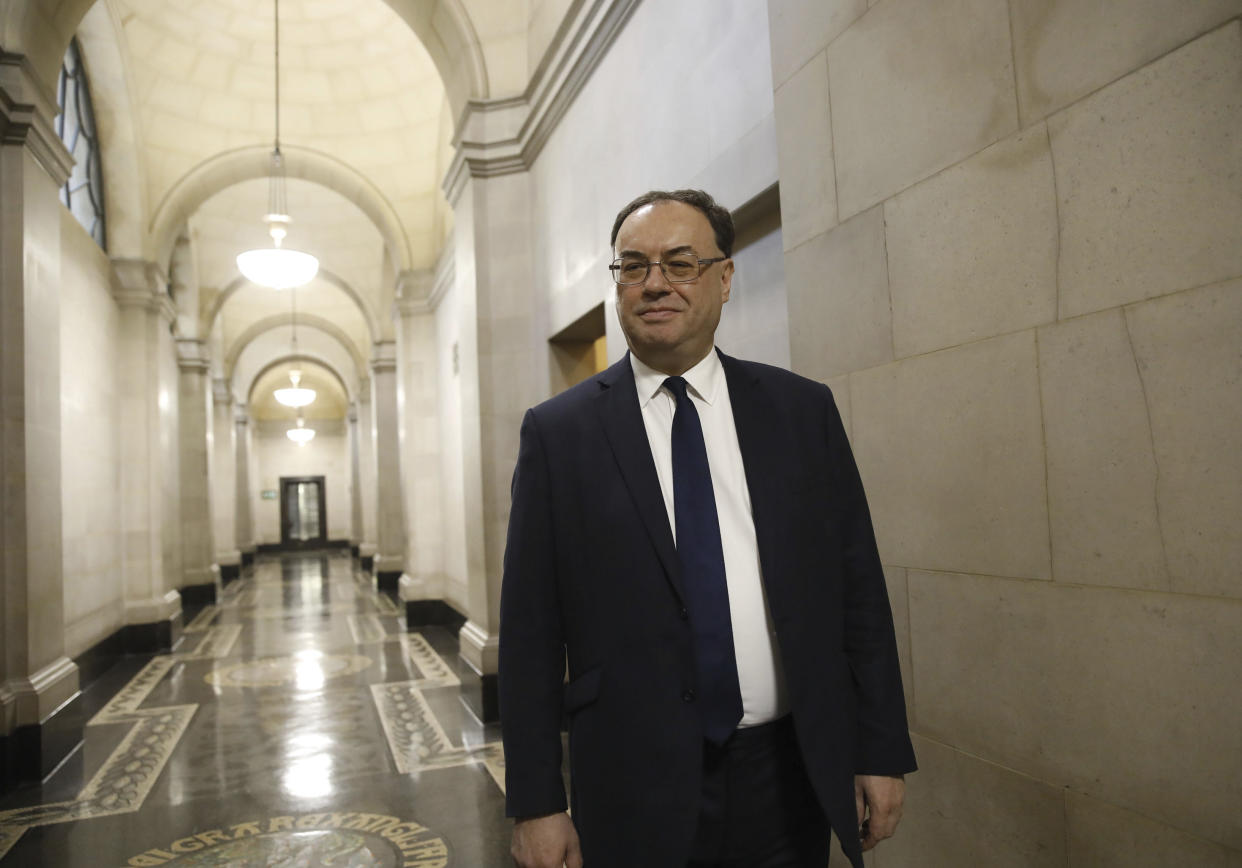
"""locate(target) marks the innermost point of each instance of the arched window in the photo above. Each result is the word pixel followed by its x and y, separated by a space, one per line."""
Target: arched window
pixel 83 192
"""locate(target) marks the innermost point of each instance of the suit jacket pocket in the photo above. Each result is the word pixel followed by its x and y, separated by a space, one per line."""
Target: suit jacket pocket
pixel 583 690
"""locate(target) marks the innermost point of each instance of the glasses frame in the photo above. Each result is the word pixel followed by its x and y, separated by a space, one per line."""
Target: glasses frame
pixel 615 268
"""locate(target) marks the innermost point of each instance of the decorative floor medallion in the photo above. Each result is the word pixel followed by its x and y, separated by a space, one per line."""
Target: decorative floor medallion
pixel 305 670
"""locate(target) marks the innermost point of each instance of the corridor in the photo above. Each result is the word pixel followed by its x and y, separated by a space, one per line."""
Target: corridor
pixel 295 723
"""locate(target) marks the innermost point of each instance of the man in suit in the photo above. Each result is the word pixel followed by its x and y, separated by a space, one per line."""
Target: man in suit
pixel 690 532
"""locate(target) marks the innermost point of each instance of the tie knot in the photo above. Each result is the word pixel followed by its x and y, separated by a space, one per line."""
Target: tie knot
pixel 676 385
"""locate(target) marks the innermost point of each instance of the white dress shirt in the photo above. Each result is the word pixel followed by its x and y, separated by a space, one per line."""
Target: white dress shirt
pixel 758 657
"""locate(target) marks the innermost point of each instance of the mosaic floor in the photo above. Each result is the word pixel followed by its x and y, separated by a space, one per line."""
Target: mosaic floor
pixel 297 723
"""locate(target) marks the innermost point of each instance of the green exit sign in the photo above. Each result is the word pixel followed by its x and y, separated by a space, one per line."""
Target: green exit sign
pixel 269 494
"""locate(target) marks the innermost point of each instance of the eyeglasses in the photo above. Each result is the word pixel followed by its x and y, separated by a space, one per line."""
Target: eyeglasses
pixel 677 269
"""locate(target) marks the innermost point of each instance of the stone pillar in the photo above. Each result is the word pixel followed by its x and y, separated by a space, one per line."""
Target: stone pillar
pixel 150 528
pixel 498 350
pixel 366 476
pixel 198 585
pixel 355 483
pixel 40 716
pixel 422 584
pixel 224 482
pixel 243 515
pixel 389 520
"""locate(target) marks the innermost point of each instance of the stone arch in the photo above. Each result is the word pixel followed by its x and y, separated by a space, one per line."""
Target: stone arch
pixel 243 164
pixel 372 319
pixel 30 28
pixel 317 359
pixel 283 319
pixel 124 175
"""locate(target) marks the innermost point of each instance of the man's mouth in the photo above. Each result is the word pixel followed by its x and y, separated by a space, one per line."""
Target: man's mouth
pixel 658 313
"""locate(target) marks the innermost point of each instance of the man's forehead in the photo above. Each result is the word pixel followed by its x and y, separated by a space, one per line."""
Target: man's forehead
pixel 669 224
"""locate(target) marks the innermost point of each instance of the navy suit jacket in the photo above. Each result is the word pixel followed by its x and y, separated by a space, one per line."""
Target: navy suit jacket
pixel 591 575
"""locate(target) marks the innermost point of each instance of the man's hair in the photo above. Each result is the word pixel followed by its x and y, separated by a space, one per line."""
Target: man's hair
pixel 717 215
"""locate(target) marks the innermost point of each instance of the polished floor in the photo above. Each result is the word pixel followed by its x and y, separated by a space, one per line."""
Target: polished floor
pixel 296 723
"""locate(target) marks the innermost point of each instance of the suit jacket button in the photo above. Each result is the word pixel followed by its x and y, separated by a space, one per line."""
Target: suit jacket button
pixel 685 614
pixel 688 696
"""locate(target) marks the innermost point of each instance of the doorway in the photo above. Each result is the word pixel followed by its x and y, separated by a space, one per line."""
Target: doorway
pixel 303 516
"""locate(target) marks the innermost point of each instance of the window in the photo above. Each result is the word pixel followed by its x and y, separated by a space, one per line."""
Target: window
pixel 83 192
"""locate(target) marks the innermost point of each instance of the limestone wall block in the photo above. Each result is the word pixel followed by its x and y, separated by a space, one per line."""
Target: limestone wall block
pixel 1065 49
pixel 1106 836
pixel 951 451
pixel 1187 346
pixel 1148 179
pixel 1127 696
pixel 804 152
pixel 799 30
pixel 962 810
pixel 916 86
pixel 837 289
pixel 972 251
pixel 1102 470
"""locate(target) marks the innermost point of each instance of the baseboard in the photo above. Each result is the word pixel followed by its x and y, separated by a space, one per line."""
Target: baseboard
pixel 367 563
pixel 314 545
pixel 229 573
pixel 247 558
pixel 387 581
pixel 31 753
pixel 480 693
pixel 354 550
pixel 194 596
pixel 155 637
pixel 432 613
pixel 100 657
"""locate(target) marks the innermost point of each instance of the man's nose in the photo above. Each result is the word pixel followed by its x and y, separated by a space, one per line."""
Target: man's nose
pixel 655 282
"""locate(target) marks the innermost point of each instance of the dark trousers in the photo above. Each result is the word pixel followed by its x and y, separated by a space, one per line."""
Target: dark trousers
pixel 758 809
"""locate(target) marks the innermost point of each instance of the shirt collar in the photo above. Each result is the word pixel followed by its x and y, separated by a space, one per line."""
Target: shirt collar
pixel 704 378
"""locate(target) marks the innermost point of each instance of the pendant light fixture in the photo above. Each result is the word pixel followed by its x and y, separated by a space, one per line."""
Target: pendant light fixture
pixel 295 395
pixel 301 435
pixel 277 266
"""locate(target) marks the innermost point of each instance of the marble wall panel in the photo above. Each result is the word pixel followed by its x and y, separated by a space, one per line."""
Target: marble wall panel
pixel 962 810
pixel 804 149
pixel 755 323
pixel 1188 358
pixel 972 251
pixel 916 86
pixel 1147 178
pixel 327 456
pixel 1065 49
pixel 1102 472
pixel 1123 695
pixel 1105 836
pixel 840 318
pixel 800 30
pixel 951 451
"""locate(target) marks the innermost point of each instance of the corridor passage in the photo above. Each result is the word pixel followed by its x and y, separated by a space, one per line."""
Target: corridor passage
pixel 296 723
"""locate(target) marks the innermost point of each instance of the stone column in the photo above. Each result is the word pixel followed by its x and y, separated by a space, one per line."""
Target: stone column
pixel 149 522
pixel 40 717
pixel 198 585
pixel 367 475
pixel 355 483
pixel 498 352
pixel 422 584
pixel 243 515
pixel 389 517
pixel 224 482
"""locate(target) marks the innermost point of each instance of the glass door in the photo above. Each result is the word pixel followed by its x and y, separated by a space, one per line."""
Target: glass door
pixel 302 514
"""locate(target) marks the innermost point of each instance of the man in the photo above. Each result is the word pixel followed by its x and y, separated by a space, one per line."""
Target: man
pixel 690 532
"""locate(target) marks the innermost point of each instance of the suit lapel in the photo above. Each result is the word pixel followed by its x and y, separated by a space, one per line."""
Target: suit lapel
pixel 623 424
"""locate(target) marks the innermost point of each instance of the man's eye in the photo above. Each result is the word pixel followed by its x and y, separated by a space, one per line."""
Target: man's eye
pixel 632 269
pixel 681 267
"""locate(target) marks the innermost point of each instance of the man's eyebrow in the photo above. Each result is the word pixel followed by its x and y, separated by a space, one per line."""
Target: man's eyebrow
pixel 671 251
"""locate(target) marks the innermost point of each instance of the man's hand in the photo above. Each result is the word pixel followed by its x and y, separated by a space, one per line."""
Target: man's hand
pixel 550 841
pixel 878 799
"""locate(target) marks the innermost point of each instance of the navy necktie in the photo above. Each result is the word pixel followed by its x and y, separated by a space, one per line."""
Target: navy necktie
pixel 703 571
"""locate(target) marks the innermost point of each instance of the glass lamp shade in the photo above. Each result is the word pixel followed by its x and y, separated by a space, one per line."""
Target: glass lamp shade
pixel 295 396
pixel 301 435
pixel 277 267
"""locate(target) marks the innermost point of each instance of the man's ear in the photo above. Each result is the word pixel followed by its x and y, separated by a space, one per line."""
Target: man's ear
pixel 726 279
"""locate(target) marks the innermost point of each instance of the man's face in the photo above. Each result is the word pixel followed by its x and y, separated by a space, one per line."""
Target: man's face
pixel 671 326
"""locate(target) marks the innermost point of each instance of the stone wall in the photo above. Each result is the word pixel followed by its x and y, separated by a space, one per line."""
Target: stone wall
pixel 1012 246
pixel 327 456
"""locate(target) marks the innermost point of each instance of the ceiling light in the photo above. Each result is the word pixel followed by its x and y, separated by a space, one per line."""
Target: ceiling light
pixel 277 266
pixel 295 395
pixel 301 435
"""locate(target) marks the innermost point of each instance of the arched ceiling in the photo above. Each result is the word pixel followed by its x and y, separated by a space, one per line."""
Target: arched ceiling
pixel 330 402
